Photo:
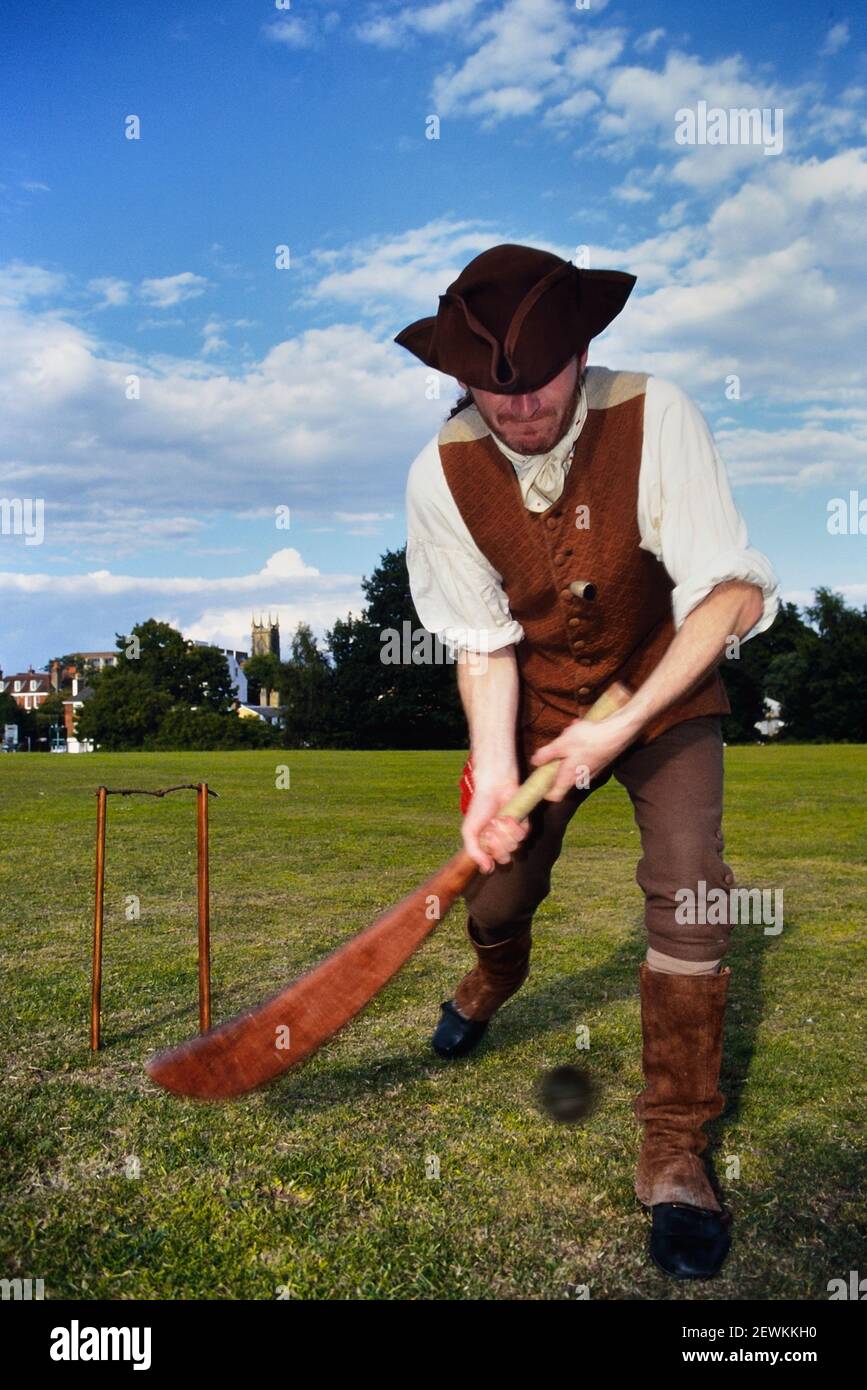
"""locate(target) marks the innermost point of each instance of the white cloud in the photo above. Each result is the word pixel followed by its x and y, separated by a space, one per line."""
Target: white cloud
pixel 384 32
pixel 516 64
pixel 645 43
pixel 115 530
pixel 394 30
pixel 732 294
pixel 572 109
pixel 769 289
pixel 364 516
pixel 230 625
pixel 213 342
pixel 641 104
pixel 329 419
pixel 836 38
pixel 294 33
pixel 802 455
pixel 98 604
pixel 173 289
pixel 281 567
pixel 20 282
pixel 542 59
pixel 657 260
pixel 410 269
pixel 593 54
pixel 632 191
pixel 363 523
pixel 114 292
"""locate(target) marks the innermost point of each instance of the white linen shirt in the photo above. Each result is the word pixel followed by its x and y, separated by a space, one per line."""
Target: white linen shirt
pixel 686 516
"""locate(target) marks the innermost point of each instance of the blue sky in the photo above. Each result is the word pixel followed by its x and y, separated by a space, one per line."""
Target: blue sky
pixel 263 388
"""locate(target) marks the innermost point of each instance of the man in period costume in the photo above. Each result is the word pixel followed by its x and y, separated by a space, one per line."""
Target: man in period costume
pixel 576 525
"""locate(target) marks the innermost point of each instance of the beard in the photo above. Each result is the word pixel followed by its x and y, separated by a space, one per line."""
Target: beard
pixel 537 435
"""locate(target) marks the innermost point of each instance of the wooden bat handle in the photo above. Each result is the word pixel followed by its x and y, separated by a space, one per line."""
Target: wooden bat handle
pixel 540 782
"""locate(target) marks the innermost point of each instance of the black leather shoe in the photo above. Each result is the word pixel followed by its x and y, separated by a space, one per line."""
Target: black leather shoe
pixel 455 1035
pixel 688 1242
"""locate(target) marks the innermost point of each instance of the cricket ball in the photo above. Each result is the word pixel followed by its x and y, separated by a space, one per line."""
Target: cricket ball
pixel 566 1094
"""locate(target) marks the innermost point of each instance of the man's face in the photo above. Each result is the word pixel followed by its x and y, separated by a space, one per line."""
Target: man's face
pixel 532 424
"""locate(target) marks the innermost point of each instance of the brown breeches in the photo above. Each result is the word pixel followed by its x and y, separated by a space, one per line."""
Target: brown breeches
pixel 676 786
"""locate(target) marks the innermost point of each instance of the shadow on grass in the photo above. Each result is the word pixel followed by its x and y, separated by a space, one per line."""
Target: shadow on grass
pixel 798 1230
pixel 226 1002
pixel 536 1011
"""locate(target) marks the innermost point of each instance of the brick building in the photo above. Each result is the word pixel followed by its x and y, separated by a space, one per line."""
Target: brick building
pixel 28 688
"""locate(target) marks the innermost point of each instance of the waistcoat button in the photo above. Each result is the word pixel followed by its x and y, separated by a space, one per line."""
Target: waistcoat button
pixel 584 690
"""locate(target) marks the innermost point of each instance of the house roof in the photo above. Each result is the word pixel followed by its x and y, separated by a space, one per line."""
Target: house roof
pixel 84 693
pixel 267 712
pixel 8 681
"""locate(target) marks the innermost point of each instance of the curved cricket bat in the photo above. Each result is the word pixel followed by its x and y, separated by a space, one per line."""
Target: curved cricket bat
pixel 254 1047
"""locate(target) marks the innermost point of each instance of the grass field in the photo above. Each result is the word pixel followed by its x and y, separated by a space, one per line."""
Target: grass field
pixel 317 1186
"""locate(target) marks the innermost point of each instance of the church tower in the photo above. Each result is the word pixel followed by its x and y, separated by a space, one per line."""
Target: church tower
pixel 265 638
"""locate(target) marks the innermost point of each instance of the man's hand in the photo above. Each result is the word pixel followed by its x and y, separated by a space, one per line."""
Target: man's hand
pixel 490 698
pixel 586 748
pixel 731 609
pixel 488 837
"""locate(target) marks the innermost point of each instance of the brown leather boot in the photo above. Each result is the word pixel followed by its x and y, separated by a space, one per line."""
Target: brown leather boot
pixel 682 1032
pixel 682 1027
pixel 500 971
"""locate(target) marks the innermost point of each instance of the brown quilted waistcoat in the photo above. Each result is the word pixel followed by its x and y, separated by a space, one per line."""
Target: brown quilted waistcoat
pixel 573 646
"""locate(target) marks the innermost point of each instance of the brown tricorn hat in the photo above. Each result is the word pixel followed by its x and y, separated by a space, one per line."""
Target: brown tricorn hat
pixel 514 317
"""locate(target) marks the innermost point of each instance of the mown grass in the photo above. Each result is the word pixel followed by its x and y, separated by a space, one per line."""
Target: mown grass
pixel 317 1185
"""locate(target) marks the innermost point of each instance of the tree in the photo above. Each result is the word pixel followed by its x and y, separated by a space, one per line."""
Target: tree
pixel 186 673
pixel 69 659
pixel 157 672
pixel 383 702
pixel 205 680
pixel 747 700
pixel 206 728
pixel 124 711
pixel 746 676
pixel 305 684
pixel 12 713
pixel 821 679
pixel 263 676
pixel 49 712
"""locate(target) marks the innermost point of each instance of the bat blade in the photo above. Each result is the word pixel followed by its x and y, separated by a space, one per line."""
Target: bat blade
pixel 256 1046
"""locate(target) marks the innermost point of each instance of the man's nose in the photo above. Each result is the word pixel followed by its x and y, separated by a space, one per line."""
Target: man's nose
pixel 525 407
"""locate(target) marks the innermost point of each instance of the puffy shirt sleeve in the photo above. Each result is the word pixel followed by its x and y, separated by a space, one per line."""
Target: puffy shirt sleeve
pixel 457 592
pixel 687 515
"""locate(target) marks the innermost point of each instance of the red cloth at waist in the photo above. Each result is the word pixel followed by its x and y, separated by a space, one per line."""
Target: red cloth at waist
pixel 467 786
